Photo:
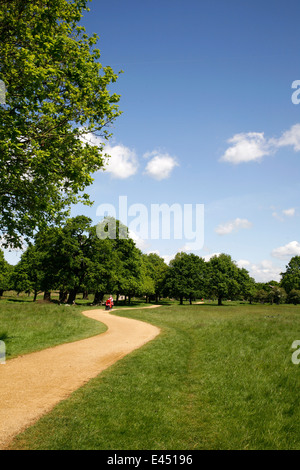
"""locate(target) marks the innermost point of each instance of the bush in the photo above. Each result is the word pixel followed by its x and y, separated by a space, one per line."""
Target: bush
pixel 277 295
pixel 293 297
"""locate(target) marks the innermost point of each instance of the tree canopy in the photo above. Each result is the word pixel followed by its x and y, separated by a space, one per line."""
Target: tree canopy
pixel 225 279
pixel 291 277
pixel 186 277
pixel 79 257
pixel 56 95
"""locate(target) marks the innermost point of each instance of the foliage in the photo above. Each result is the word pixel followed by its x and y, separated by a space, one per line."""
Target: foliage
pixel 185 277
pixel 223 278
pixel 261 296
pixel 247 285
pixel 291 277
pixel 293 297
pixel 154 274
pixel 68 253
pixel 277 295
pixel 57 94
pixel 5 274
pixel 28 275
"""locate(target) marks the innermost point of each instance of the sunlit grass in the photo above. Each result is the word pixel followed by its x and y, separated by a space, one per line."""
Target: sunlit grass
pixel 216 378
pixel 28 326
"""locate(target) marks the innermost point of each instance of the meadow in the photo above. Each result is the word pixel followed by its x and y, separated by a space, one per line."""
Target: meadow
pixel 216 378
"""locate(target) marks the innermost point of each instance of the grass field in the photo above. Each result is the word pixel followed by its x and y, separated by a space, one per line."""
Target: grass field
pixel 26 326
pixel 216 378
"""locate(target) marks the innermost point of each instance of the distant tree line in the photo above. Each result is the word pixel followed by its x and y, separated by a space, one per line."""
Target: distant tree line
pixel 73 259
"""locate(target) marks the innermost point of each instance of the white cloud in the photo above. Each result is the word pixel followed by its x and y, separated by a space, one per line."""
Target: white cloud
pixel 211 255
pixel 246 147
pixel 243 263
pixel 253 146
pixel 122 163
pixel 265 271
pixel 289 212
pixel 92 139
pixel 139 241
pixel 287 251
pixel 277 216
pixel 290 138
pixel 160 166
pixel 234 225
pixel 284 213
pixel 168 258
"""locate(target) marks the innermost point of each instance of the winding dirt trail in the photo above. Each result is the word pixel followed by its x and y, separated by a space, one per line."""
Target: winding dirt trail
pixel 31 385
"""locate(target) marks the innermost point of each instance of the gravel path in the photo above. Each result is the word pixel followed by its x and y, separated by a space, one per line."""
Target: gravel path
pixel 31 385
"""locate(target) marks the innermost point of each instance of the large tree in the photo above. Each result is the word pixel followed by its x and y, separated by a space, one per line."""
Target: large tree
pixel 155 270
pixel 66 254
pixel 28 275
pixel 102 273
pixel 247 284
pixel 185 277
pixel 56 95
pixel 224 278
pixel 291 277
pixel 128 278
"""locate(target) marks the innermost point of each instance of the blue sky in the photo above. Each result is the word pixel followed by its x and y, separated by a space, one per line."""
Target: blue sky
pixel 207 119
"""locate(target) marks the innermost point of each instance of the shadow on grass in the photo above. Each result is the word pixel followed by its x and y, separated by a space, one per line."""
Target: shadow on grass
pixel 4 336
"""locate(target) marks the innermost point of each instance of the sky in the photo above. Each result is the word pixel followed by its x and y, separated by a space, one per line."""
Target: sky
pixel 210 100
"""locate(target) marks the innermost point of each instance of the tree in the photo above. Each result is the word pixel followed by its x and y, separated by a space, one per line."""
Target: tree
pixel 128 268
pixel 128 259
pixel 293 297
pixel 223 278
pixel 185 277
pixel 102 275
pixel 155 270
pixel 291 278
pixel 147 280
pixel 277 295
pixel 29 273
pixel 261 295
pixel 67 256
pixel 247 284
pixel 56 95
pixel 5 274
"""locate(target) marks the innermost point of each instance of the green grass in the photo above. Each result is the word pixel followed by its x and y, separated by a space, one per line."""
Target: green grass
pixel 216 378
pixel 27 326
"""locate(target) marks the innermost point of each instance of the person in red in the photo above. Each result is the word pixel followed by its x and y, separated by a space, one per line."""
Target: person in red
pixel 109 303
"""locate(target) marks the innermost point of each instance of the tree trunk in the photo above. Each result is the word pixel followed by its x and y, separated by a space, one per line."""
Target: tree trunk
pixel 35 295
pixel 220 301
pixel 85 295
pixel 47 296
pixel 181 300
pixel 98 298
pixel 1 292
pixel 190 300
pixel 63 295
pixel 72 296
